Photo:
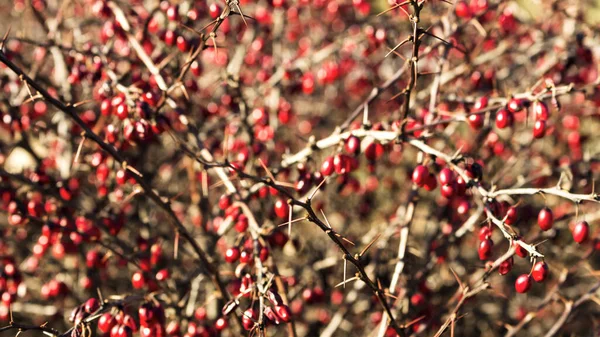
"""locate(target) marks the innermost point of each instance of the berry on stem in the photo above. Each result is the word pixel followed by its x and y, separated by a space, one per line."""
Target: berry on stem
pixel 539 271
pixel 545 219
pixel 523 283
pixel 581 231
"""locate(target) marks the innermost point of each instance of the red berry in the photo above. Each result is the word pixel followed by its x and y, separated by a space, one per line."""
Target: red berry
pixel 283 313
pixel 172 13
pixel 520 251
pixel 462 9
pixel 430 183
pixel 481 103
pixel 282 209
pixel 484 233
pixel 343 163
pixel 245 257
pixel 420 175
pixel 232 254
pixel 214 10
pixel 523 283
pixel 225 202
pixel 581 231
pixel 545 219
pixel 352 145
pixel 106 107
pixel 485 249
pixel 196 68
pixel 476 121
pixel 248 319
pixel 515 105
pixel 137 280
pixel 504 119
pixel 220 324
pixel 162 275
pixel 539 129
pixel 540 271
pixel 91 305
pixel 122 111
pixel 511 216
pixel 540 111
pixel 506 265
pixel 446 176
pixel 106 322
pixel 327 167
pixel 448 190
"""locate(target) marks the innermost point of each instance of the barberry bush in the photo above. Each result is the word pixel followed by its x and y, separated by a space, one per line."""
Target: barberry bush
pixel 299 168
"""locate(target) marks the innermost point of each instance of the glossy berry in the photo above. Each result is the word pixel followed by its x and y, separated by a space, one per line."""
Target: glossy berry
pixel 462 10
pixel 232 254
pixel 430 183
pixel 122 111
pixel 545 219
pixel 91 305
pixel 520 251
pixel 282 209
pixel 420 175
pixel 515 105
pixel 221 324
pixel 481 103
pixel 506 266
pixel 352 145
pixel 448 191
pixel 540 111
pixel 581 231
pixel 248 319
pixel 504 119
pixel 511 216
pixel 539 271
pixel 539 129
pixel 214 10
pixel 283 313
pixel 484 233
pixel 485 249
pixel 476 120
pixel 446 176
pixel 106 322
pixel 137 280
pixel 327 167
pixel 225 202
pixel 523 283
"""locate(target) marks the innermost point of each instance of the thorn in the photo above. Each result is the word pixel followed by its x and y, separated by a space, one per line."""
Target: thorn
pixel 78 104
pixel 241 13
pixel 100 297
pixel 193 30
pixel 345 266
pixel 399 55
pixel 350 242
pixel 326 221
pixel 214 40
pixel 317 189
pixel 3 42
pixel 269 173
pixel 290 221
pixel 390 295
pixel 398 45
pixel 369 245
pixel 78 153
pixel 457 279
pixel 413 321
pixel 354 278
pixel 397 95
pixel 295 220
pixel 176 246
pixel 394 7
